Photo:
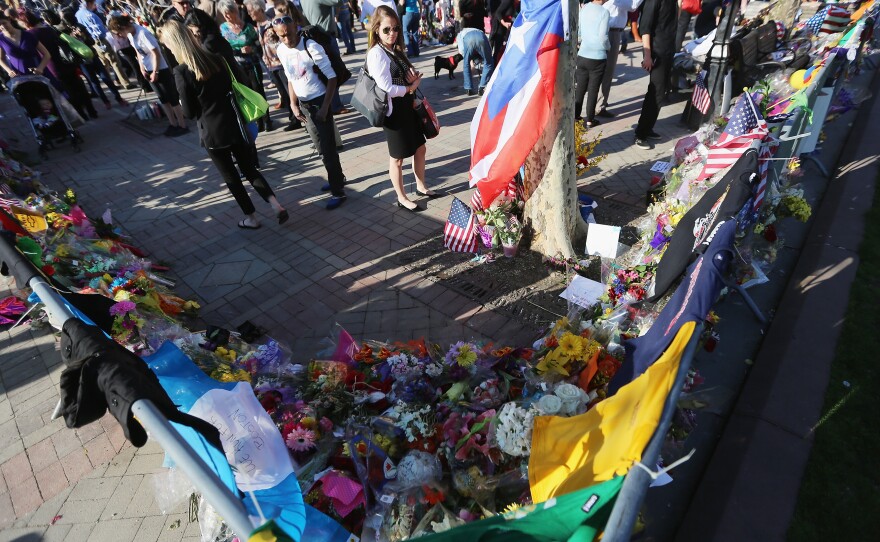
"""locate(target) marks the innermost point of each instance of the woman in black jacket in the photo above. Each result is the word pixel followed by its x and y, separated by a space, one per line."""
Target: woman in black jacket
pixel 205 90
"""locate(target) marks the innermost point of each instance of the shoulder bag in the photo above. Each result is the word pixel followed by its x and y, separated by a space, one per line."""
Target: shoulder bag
pixel 427 118
pixel 251 105
pixel 369 100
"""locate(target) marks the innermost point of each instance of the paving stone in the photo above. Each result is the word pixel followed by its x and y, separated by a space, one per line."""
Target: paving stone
pixel 79 532
pixel 25 495
pixel 116 530
pixel 47 512
pixel 51 480
pixel 149 529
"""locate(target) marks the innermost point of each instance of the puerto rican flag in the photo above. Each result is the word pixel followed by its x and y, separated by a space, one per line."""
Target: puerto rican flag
pixel 516 106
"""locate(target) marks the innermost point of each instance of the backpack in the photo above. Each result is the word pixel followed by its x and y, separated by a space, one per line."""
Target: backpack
pixel 322 38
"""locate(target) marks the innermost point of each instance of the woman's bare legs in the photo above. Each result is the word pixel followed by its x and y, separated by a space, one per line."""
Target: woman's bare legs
pixel 395 171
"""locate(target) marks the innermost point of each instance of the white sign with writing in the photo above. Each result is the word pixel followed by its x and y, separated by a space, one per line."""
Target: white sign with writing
pixel 602 240
pixel 661 167
pixel 583 291
pixel 251 442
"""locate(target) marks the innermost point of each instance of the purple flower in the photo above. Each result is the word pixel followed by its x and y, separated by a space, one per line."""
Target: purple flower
pixel 122 308
pixel 659 238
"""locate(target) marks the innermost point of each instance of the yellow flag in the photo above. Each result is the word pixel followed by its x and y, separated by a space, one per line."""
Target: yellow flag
pixel 573 453
pixel 32 221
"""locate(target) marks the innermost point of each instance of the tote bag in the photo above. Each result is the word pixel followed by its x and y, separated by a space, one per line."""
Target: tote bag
pixel 81 49
pixel 249 101
pixel 369 100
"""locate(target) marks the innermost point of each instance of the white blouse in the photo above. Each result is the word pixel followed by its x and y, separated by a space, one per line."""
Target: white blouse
pixel 379 68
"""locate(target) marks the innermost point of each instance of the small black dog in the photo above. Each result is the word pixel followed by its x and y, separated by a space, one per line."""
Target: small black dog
pixel 446 63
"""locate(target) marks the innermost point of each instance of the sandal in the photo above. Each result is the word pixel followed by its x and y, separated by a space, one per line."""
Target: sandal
pixel 245 226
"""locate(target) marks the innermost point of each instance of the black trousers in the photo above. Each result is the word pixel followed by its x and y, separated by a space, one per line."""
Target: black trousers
pixel 681 29
pixel 658 84
pixel 94 71
pixel 77 93
pixel 244 155
pixel 327 143
pixel 280 80
pixel 588 76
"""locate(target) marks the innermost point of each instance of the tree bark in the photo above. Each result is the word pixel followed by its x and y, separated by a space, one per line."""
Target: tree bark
pixel 550 182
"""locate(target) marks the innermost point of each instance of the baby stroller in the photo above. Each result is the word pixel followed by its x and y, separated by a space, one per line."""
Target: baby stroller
pixel 50 115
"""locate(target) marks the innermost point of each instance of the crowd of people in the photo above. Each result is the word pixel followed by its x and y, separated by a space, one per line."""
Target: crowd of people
pixel 176 51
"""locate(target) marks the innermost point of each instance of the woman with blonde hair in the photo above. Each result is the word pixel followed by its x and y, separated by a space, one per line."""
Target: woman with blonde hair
pixel 205 89
pixel 393 73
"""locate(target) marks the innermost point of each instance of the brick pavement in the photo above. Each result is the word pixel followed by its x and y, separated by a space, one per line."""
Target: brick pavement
pixel 295 280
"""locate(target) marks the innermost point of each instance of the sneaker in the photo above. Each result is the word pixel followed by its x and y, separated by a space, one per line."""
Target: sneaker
pixel 643 144
pixel 654 135
pixel 593 123
pixel 481 91
pixel 605 113
pixel 335 202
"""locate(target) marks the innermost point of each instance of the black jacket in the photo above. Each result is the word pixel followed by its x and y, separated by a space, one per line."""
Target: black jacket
pixel 102 375
pixel 209 102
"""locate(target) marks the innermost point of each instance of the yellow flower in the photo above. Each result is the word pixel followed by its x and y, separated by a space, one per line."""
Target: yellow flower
pixel 553 363
pixel 121 295
pixel 107 278
pixel 570 346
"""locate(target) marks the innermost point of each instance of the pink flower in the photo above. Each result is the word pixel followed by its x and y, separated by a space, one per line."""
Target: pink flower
pixel 301 440
pixel 325 424
pixel 122 308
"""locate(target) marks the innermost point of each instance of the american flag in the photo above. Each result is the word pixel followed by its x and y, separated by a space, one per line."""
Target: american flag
pixel 828 20
pixel 765 153
pixel 513 191
pixel 745 126
pixel 459 234
pixel 701 98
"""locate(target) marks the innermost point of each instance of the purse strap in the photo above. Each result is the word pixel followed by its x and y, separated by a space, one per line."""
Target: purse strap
pixel 229 71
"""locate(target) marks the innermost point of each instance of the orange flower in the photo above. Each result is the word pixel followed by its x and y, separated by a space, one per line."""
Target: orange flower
pixel 551 342
pixel 501 352
pixel 384 353
pixel 364 355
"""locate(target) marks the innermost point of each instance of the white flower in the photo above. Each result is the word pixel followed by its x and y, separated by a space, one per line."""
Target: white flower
pixel 549 405
pixel 572 398
pixel 513 430
pixel 433 370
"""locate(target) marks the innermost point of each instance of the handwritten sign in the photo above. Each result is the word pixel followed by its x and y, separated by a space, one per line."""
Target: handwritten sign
pixel 661 167
pixel 250 439
pixel 32 221
pixel 583 291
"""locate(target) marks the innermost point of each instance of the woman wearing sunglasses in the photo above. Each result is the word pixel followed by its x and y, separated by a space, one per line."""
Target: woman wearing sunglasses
pixel 393 73
pixel 205 89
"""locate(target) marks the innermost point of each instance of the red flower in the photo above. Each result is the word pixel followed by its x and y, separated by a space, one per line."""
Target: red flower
pixel 364 355
pixel 770 233
pixel 551 342
pixel 384 354
pixel 433 496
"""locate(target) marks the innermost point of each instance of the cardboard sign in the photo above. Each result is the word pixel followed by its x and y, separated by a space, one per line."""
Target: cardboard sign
pixel 602 240
pixel 583 291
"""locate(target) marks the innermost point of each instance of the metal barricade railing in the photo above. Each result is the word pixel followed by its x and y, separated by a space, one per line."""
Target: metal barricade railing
pixel 206 481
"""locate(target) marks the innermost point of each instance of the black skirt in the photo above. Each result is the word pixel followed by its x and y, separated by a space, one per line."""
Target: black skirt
pixel 402 128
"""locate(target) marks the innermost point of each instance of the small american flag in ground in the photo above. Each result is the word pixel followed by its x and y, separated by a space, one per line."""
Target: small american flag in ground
pixel 701 98
pixel 459 235
pixel 745 126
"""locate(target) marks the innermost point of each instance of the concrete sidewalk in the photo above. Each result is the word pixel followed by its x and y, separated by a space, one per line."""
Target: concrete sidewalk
pixel 295 280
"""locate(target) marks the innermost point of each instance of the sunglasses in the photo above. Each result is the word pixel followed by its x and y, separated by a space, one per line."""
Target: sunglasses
pixel 389 29
pixel 282 20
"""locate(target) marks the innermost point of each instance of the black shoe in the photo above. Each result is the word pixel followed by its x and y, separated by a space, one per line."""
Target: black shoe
pixel 593 123
pixel 481 91
pixel 643 144
pixel 415 209
pixel 171 131
pixel 269 126
pixel 335 202
pixel 436 194
pixel 283 216
pixel 654 135
pixel 292 126
pixel 468 92
pixel 605 113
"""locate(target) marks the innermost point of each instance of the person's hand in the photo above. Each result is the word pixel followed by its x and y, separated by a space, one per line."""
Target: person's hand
pixel 412 76
pixel 506 24
pixel 37 70
pixel 648 63
pixel 247 49
pixel 154 76
pixel 11 73
pixel 297 112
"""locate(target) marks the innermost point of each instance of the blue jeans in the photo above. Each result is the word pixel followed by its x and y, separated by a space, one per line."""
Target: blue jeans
pixel 411 33
pixel 476 43
pixel 346 33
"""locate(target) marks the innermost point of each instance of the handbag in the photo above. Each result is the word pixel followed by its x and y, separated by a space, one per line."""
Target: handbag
pixel 427 117
pixel 251 105
pixel 693 7
pixel 369 100
pixel 81 49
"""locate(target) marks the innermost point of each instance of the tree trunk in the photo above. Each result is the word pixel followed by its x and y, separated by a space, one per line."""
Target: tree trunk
pixel 550 178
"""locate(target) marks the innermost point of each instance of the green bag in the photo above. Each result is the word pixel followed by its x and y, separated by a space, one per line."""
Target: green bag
pixel 81 49
pixel 250 103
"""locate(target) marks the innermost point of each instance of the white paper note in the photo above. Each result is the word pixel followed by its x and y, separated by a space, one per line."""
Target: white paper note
pixel 602 240
pixel 583 291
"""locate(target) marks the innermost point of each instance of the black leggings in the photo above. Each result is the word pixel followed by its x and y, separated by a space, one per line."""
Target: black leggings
pixel 589 76
pixel 244 155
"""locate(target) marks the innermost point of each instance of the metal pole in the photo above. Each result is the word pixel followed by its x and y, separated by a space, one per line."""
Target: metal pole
pixel 626 508
pixel 204 479
pixel 719 55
